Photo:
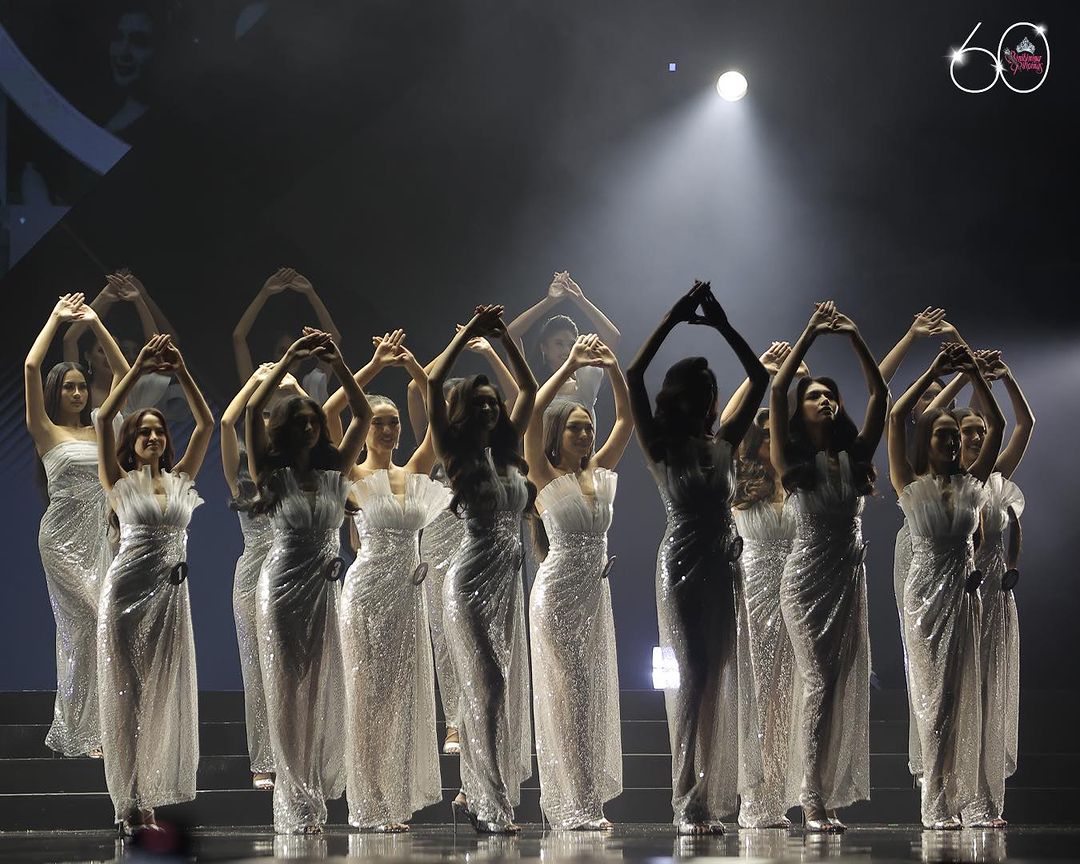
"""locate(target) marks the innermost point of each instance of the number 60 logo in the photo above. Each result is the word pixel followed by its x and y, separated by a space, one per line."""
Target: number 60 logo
pixel 1023 58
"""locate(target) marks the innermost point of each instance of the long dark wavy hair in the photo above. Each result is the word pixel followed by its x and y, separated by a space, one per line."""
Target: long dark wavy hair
pixel 282 447
pixel 555 420
pixel 685 406
pixel 54 386
pixel 464 460
pixel 799 450
pixel 924 428
pixel 753 480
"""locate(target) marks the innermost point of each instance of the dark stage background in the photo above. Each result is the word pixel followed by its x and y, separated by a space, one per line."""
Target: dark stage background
pixel 414 159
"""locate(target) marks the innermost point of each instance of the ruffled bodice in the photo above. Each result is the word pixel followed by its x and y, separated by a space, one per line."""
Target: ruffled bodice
pixel 299 511
pixel 833 501
pixel 942 510
pixel 424 500
pixel 133 499
pixel 1001 494
pixel 565 509
pixel 761 522
pixel 698 490
pixel 71 468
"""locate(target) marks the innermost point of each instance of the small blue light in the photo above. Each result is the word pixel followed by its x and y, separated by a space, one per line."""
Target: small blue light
pixel 672 67
pixel 22 220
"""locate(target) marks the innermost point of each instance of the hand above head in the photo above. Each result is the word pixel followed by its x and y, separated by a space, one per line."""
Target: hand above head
pixel 149 357
pixel 928 322
pixel 478 344
pixel 557 288
pixel 603 356
pixel 821 319
pixel 955 357
pixel 133 280
pixel 300 283
pixel 570 286
pixel 712 313
pixel 262 371
pixel 486 322
pixel 121 286
pixel 70 307
pixel 686 307
pixel 279 280
pixel 991 364
pixel 324 347
pixel 305 346
pixel 386 347
pixel 840 323
pixel 168 358
pixel 583 351
pixel 774 356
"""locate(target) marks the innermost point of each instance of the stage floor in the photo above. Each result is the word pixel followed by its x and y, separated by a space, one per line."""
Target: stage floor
pixel 652 843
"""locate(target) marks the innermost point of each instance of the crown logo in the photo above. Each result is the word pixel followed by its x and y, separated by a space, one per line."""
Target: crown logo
pixel 1025 46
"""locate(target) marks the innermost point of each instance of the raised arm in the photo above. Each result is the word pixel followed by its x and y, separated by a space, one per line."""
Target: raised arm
pixel 278 282
pixel 984 463
pixel 527 387
pixel 38 424
pixel 609 334
pixel 172 361
pixel 640 404
pixel 622 429
pixel 107 297
pixel 1009 459
pixel 778 395
pixel 901 471
pixel 877 405
pixel 302 285
pixel 109 470
pixel 581 354
pixel 926 323
pixel 387 348
pixel 520 326
pixel 160 323
pixel 230 450
pixel 352 442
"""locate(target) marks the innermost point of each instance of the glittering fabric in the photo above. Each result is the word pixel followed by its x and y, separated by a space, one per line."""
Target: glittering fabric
pixel 439 543
pixel 484 615
pixel 1000 655
pixel 696 569
pixel 146 652
pixel 74 554
pixel 823 599
pixel 300 651
pixel 941 621
pixel 901 563
pixel 257 537
pixel 575 673
pixel 770 769
pixel 391 752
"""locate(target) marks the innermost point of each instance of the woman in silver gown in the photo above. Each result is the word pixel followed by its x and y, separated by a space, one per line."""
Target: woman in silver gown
pixel 257 534
pixel 926 324
pixel 697 562
pixel 768 686
pixel 302 483
pixel 72 539
pixel 572 631
pixel 146 652
pixel 479 442
pixel 826 466
pixel 1000 632
pixel 391 751
pixel 440 541
pixel 941 603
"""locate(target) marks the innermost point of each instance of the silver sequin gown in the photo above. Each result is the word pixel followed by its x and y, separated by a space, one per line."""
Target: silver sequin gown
pixel 484 616
pixel 770 767
pixel 74 555
pixel 696 568
pixel 391 751
pixel 575 672
pixel 300 651
pixel 901 563
pixel 257 537
pixel 146 652
pixel 439 543
pixel 941 619
pixel 1000 655
pixel 823 599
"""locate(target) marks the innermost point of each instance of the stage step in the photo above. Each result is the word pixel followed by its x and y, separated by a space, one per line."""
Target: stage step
pixel 39 790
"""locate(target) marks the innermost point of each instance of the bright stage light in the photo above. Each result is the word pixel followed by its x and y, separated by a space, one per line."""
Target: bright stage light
pixel 731 86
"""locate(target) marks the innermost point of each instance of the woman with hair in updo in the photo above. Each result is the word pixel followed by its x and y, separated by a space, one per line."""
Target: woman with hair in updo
pixel 572 632
pixel 72 539
pixel 146 651
pixel 302 482
pixel 479 442
pixel 697 564
pixel 826 465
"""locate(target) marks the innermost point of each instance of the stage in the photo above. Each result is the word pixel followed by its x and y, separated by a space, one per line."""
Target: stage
pixel 627 843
